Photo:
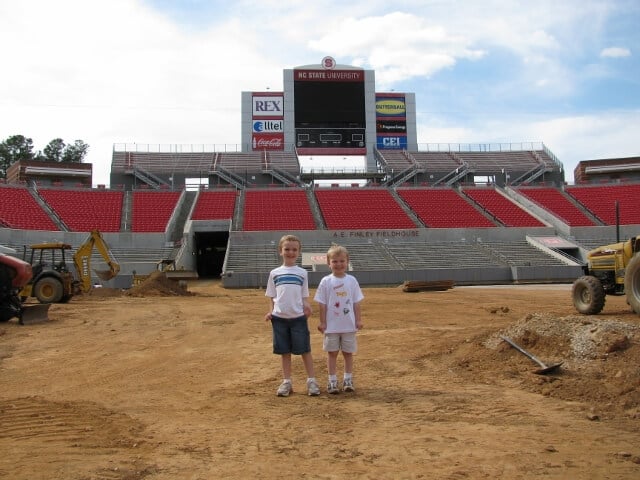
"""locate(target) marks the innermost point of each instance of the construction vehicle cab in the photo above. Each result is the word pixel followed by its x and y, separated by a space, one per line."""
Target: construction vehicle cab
pixel 610 270
pixel 82 261
pixel 52 281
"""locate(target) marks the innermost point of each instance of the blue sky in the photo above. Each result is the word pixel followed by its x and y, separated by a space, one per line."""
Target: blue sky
pixel 562 72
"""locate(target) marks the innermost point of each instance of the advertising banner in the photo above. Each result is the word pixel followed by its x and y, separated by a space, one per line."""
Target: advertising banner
pixel 390 107
pixel 268 106
pixel 391 126
pixel 391 121
pixel 268 126
pixel 398 142
pixel 267 121
pixel 267 141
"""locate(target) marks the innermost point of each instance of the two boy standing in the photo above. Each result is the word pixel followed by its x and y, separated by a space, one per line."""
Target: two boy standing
pixel 338 296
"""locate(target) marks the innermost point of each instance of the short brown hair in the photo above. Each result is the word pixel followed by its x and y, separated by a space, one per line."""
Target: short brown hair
pixel 289 238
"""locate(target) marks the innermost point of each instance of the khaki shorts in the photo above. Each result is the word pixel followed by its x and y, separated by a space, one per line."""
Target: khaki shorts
pixel 333 342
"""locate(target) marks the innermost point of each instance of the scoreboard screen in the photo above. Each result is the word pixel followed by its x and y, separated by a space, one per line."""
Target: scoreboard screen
pixel 329 104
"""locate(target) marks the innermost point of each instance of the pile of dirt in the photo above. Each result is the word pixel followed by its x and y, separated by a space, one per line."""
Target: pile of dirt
pixel 158 285
pixel 600 359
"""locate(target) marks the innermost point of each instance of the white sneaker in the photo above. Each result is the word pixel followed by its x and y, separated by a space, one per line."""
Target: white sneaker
pixel 347 385
pixel 312 388
pixel 332 388
pixel 284 389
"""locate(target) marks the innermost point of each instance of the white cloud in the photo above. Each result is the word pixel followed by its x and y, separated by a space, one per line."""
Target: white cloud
pixel 119 72
pixel 570 138
pixel 122 72
pixel 615 52
pixel 411 46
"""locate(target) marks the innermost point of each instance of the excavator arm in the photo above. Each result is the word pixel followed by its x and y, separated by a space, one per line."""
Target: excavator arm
pixel 82 260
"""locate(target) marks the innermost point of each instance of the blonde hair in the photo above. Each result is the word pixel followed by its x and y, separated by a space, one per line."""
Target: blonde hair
pixel 336 250
pixel 289 238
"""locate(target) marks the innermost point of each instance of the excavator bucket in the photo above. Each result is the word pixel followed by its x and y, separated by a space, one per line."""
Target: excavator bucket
pixel 37 313
pixel 105 274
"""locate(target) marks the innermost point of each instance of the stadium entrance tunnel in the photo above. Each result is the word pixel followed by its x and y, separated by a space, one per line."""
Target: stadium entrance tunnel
pixel 211 248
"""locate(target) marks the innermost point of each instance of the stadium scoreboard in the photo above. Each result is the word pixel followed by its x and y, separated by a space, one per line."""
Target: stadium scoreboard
pixel 328 109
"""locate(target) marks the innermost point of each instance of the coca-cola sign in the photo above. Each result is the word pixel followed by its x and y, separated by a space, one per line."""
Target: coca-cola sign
pixel 266 141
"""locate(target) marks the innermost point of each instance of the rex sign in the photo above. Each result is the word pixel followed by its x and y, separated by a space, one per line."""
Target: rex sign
pixel 267 121
pixel 264 106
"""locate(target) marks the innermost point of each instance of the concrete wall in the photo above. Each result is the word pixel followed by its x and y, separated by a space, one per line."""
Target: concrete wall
pixel 468 276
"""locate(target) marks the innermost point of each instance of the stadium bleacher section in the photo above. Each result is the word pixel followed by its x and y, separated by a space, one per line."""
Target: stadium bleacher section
pixel 163 162
pixel 151 210
pixel 601 201
pixel 443 208
pixel 556 202
pixel 344 208
pixel 277 209
pixel 215 205
pixel 241 163
pixel 482 233
pixel 85 210
pixel 501 208
pixel 287 161
pixel 19 209
pixel 437 161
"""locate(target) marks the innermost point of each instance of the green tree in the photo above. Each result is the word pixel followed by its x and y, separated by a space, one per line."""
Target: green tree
pixel 54 150
pixel 75 152
pixel 20 148
pixel 13 149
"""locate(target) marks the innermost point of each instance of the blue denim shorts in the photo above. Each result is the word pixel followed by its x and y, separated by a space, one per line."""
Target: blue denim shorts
pixel 290 335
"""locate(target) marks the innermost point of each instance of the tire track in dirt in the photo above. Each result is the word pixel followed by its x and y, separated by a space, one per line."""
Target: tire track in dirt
pixel 37 431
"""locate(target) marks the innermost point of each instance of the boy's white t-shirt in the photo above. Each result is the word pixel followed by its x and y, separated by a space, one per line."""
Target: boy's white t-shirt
pixel 288 286
pixel 339 294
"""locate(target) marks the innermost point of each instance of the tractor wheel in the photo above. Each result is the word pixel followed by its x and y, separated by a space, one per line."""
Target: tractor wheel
pixel 632 283
pixel 48 290
pixel 588 295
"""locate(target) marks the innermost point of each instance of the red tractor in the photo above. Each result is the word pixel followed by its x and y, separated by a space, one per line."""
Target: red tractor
pixel 15 274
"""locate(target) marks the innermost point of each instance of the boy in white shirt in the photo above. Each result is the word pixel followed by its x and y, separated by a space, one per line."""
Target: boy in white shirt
pixel 339 297
pixel 288 289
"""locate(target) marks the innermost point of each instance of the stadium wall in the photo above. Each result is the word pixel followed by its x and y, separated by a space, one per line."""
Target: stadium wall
pixel 127 248
pixel 123 245
pixel 461 276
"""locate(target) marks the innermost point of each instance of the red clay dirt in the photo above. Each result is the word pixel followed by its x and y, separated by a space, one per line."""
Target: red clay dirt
pixel 163 383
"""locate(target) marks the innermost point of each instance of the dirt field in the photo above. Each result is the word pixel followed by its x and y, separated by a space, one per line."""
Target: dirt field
pixel 164 385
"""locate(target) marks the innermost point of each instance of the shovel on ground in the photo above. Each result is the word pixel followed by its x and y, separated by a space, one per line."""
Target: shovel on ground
pixel 544 368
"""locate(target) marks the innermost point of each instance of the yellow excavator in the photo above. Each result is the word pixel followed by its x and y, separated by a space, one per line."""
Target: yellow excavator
pixel 82 261
pixel 53 282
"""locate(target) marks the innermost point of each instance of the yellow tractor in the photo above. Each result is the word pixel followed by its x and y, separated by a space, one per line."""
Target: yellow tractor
pixel 52 280
pixel 610 270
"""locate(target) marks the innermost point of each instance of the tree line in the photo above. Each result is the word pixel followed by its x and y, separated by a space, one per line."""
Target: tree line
pixel 20 148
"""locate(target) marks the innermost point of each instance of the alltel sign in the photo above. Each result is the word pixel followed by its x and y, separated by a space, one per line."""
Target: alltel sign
pixel 268 126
